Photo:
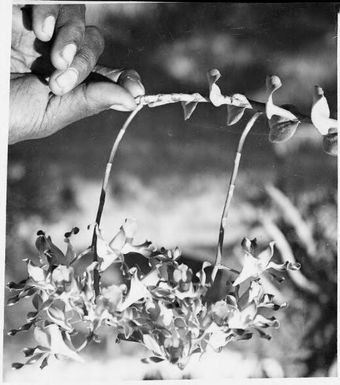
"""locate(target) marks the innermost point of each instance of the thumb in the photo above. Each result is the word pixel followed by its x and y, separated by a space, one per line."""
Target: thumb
pixel 86 100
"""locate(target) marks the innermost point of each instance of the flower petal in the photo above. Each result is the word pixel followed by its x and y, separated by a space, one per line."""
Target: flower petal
pixel 215 96
pixel 320 112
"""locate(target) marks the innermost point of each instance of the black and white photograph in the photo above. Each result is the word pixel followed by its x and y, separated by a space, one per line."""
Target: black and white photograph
pixel 170 191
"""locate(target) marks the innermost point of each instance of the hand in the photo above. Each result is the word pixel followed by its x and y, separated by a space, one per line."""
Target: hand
pixel 54 77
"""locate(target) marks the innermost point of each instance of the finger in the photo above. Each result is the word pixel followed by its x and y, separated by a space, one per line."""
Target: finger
pixel 43 20
pixel 129 79
pixel 69 34
pixel 86 100
pixel 83 63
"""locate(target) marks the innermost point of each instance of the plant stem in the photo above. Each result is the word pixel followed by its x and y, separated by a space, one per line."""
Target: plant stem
pixel 230 193
pixel 96 275
pixel 163 99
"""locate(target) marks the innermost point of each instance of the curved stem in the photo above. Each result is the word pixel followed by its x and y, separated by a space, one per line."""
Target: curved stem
pixel 230 193
pixel 96 275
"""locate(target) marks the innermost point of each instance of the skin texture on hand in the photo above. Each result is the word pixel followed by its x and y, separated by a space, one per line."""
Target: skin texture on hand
pixel 55 79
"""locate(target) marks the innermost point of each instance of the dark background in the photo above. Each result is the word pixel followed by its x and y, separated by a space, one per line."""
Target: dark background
pixel 171 174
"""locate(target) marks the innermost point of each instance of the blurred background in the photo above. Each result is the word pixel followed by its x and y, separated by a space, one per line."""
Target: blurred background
pixel 171 175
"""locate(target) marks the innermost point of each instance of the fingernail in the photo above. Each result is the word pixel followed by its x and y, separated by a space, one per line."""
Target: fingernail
pixel 138 83
pixel 67 79
pixel 48 26
pixel 68 53
pixel 120 107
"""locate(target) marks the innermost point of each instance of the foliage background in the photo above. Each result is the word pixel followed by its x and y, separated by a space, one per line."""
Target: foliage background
pixel 171 174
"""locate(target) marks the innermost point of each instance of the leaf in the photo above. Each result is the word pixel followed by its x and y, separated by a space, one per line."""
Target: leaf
pixel 320 112
pixel 282 123
pixel 188 108
pixel 330 143
pixel 215 96
pixel 235 113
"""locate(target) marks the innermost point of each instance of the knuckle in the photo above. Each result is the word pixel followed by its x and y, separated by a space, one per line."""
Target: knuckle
pixel 86 60
pixel 77 32
pixel 96 37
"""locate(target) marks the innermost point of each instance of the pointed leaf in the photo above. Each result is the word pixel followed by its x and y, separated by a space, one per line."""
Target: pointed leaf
pixel 188 108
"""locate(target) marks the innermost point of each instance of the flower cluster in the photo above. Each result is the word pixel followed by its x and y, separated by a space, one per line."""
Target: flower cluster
pixel 165 309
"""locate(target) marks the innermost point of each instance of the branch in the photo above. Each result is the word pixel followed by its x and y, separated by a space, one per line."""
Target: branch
pixel 163 99
pixel 230 193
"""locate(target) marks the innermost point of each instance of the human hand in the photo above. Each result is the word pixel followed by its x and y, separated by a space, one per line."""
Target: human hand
pixel 54 77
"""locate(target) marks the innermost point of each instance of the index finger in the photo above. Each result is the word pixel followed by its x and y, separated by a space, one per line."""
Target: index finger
pixel 69 35
pixel 44 17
